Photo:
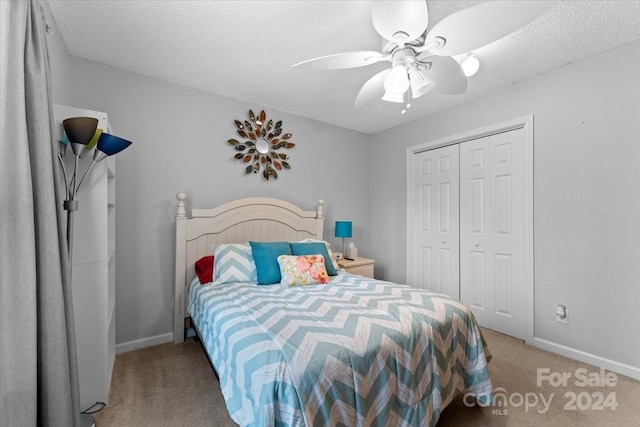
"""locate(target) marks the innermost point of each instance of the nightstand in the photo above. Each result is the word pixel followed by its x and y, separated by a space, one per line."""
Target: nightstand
pixel 360 266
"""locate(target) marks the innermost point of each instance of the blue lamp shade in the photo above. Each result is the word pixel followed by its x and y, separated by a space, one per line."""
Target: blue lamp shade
pixel 111 144
pixel 343 229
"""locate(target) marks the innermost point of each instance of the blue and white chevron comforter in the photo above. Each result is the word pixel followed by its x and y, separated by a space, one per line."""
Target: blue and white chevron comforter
pixel 355 352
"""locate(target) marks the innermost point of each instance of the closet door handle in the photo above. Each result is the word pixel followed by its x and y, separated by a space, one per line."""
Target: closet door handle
pixel 444 242
pixel 476 244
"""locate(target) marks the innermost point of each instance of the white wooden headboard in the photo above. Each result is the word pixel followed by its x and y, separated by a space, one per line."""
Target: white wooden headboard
pixel 256 218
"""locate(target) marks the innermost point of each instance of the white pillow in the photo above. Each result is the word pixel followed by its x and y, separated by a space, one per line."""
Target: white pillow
pixel 233 263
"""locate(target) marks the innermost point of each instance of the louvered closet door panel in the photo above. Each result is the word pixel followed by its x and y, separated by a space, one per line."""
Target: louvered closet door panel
pixel 435 236
pixel 492 230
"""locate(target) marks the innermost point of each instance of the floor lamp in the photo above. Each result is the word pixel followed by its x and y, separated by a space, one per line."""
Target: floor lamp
pixel 83 135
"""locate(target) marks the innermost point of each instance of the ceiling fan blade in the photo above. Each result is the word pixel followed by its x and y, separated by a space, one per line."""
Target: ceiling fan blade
pixel 400 21
pixel 342 60
pixel 448 75
pixel 373 89
pixel 480 25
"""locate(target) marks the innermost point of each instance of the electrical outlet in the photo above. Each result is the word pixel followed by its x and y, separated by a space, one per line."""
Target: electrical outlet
pixel 562 314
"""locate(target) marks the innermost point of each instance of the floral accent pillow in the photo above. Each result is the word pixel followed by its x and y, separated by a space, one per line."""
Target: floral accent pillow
pixel 329 251
pixel 302 270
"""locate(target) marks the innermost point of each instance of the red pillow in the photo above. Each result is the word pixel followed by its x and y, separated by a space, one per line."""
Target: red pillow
pixel 204 269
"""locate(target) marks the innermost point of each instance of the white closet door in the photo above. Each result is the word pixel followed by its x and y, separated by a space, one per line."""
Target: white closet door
pixel 434 239
pixel 492 221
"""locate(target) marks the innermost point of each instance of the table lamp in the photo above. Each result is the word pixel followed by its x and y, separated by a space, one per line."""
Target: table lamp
pixel 343 230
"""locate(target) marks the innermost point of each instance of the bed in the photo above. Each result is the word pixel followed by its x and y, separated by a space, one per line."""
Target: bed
pixel 354 351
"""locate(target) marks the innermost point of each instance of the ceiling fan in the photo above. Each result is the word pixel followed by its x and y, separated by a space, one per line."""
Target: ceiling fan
pixel 423 61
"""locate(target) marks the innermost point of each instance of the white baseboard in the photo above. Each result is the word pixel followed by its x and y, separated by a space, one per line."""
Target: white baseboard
pixel 601 362
pixel 144 342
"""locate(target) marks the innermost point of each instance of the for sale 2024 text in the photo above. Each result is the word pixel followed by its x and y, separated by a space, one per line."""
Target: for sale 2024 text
pixel 583 378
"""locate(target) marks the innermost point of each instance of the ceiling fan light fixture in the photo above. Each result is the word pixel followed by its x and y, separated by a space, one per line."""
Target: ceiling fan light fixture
pixel 470 65
pixel 420 84
pixel 393 97
pixel 398 81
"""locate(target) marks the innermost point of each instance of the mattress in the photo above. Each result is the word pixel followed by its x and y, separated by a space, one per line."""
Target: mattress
pixel 354 352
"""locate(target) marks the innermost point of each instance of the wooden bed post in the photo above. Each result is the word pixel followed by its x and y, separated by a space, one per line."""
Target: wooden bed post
pixel 320 212
pixel 181 253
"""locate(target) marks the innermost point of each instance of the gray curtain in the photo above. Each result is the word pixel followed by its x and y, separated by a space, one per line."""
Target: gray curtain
pixel 38 368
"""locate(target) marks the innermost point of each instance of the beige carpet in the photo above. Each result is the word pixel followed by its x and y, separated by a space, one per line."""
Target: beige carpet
pixel 174 385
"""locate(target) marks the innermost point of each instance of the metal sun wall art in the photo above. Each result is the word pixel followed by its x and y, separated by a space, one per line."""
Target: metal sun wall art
pixel 260 149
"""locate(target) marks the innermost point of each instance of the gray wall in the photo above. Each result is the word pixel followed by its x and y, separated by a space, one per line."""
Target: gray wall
pixel 179 144
pixel 586 185
pixel 586 195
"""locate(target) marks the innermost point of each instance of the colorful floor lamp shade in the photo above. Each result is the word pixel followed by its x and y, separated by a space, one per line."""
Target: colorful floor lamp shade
pixel 343 230
pixel 80 131
pixel 108 145
pixel 83 135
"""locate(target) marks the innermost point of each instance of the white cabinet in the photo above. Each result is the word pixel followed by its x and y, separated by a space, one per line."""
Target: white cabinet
pixel 93 279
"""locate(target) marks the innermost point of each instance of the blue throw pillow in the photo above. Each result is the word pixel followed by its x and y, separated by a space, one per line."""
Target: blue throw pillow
pixel 313 248
pixel 265 255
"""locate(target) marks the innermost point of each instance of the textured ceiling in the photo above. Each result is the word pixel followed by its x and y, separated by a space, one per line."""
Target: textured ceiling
pixel 245 49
